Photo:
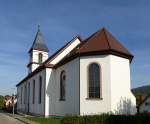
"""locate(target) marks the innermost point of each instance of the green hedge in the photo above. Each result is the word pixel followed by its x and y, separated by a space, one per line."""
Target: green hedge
pixel 107 119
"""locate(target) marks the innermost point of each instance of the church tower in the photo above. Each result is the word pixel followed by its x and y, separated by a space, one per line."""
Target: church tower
pixel 38 52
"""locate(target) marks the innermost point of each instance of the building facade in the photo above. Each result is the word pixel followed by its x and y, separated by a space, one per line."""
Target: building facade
pixel 84 77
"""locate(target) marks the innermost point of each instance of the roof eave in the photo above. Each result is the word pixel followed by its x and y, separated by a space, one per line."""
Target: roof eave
pixel 105 52
pixel 38 50
pixel 40 68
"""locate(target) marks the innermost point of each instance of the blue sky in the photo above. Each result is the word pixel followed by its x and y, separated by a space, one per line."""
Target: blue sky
pixel 60 21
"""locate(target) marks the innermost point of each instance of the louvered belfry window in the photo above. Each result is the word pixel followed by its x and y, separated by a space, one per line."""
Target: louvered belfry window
pixel 40 58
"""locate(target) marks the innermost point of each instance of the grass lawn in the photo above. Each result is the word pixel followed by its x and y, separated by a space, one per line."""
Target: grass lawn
pixel 42 120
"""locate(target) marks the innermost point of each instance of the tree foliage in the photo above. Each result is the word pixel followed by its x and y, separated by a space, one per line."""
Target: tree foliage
pixel 2 102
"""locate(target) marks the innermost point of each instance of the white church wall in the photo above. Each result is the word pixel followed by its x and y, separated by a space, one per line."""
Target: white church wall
pixel 66 51
pixel 145 106
pixel 33 67
pixel 36 108
pixel 35 55
pixel 95 106
pixel 122 99
pixel 71 103
pixel 20 103
pixel 35 58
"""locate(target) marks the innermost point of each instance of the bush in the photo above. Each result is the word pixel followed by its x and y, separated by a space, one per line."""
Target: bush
pixel 107 119
pixel 2 102
pixel 73 120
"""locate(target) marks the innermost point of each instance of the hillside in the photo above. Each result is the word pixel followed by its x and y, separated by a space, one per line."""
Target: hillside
pixel 144 90
pixel 140 93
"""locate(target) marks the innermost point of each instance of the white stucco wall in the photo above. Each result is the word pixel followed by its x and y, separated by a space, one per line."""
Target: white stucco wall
pixel 122 99
pixel 35 54
pixel 145 106
pixel 35 58
pixel 95 106
pixel 20 107
pixel 71 104
pixel 35 108
pixel 115 82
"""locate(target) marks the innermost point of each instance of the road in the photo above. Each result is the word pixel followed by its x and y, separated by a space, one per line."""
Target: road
pixel 5 119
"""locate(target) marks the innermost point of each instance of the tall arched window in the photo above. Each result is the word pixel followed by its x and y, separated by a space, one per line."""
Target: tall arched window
pixel 40 58
pixel 40 89
pixel 21 94
pixel 94 81
pixel 33 93
pixel 62 85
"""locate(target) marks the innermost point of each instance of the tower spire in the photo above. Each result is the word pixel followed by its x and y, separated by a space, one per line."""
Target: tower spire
pixel 38 52
pixel 39 43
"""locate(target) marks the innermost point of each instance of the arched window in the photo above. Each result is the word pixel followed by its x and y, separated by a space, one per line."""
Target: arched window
pixel 40 89
pixel 21 94
pixel 62 85
pixel 33 93
pixel 40 58
pixel 94 81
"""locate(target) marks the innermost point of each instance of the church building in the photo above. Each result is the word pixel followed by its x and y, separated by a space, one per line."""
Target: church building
pixel 84 77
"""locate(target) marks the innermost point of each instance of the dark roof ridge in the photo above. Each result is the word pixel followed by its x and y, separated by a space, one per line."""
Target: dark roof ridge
pixel 103 29
pixel 38 69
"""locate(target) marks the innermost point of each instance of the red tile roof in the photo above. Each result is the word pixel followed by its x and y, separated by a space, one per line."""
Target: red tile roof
pixel 101 42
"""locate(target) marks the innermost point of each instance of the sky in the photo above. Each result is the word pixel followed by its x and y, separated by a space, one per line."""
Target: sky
pixel 60 21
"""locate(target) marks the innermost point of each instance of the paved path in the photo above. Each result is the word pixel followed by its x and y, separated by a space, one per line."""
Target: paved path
pixel 5 119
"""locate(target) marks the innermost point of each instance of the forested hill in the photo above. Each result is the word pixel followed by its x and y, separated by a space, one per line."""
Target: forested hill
pixel 140 93
pixel 144 90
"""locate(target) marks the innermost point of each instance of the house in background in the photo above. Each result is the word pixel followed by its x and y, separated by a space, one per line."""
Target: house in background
pixel 9 101
pixel 84 77
pixel 144 106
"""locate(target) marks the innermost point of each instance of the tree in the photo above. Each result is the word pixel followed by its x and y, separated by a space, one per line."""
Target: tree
pixel 2 102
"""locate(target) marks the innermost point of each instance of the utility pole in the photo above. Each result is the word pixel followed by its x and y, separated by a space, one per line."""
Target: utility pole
pixel 13 98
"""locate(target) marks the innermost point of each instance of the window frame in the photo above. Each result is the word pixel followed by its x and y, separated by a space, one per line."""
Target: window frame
pixel 100 82
pixel 28 92
pixel 40 58
pixel 61 87
pixel 21 93
pixel 40 89
pixel 25 91
pixel 33 93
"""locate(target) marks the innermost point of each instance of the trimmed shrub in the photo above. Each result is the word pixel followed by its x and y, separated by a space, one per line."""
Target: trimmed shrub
pixel 73 120
pixel 107 119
